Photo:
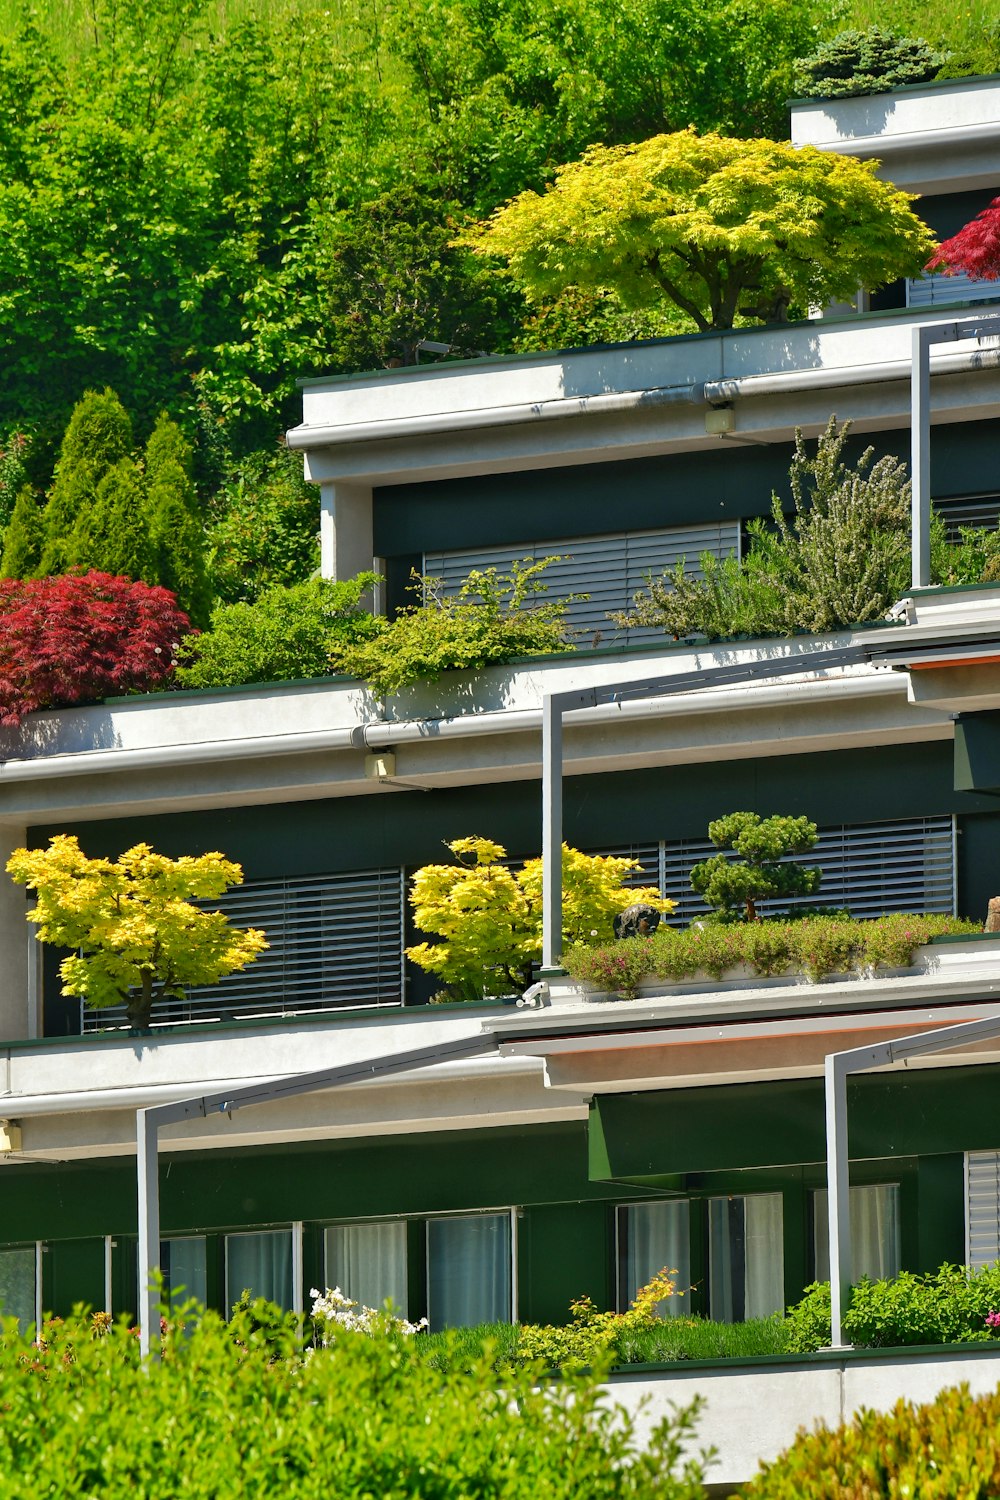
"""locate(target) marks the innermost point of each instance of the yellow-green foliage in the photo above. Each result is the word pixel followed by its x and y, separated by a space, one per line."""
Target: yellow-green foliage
pixel 131 921
pixel 721 227
pixel 489 917
pixel 591 1336
pixel 239 1411
pixel 948 1449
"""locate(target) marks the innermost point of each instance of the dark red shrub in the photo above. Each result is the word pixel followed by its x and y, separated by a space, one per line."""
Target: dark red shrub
pixel 79 637
pixel 974 250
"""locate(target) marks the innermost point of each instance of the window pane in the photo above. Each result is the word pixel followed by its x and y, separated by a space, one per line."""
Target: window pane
pixel 17 1285
pixel 468 1270
pixel 183 1263
pixel 652 1236
pixel 746 1257
pixel 875 1247
pixel 368 1263
pixel 261 1263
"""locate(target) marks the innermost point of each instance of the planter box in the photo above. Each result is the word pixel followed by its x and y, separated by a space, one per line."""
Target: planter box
pixel 977 956
pixel 753 1410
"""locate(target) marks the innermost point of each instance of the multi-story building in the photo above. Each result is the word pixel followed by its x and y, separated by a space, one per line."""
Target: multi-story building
pixel 591 1142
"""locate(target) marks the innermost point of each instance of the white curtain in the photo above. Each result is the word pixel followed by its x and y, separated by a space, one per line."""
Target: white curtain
pixel 469 1270
pixel 183 1262
pixel 652 1236
pixel 875 1240
pixel 262 1263
pixel 368 1263
pixel 17 1285
pixel 746 1257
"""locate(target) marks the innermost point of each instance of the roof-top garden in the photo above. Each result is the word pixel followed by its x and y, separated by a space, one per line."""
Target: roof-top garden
pixel 833 554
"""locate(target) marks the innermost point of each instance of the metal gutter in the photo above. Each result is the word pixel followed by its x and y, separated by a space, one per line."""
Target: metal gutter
pixel 921 140
pixel 381 733
pixel 711 392
pixel 305 436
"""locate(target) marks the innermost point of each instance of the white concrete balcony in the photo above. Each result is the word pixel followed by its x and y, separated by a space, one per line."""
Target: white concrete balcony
pixel 929 138
pixel 753 1410
pixel 624 401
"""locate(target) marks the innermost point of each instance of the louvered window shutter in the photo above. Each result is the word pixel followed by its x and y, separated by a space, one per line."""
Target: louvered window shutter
pixel 335 940
pixel 982 1207
pixel 869 868
pixel 938 290
pixel 968 510
pixel 610 569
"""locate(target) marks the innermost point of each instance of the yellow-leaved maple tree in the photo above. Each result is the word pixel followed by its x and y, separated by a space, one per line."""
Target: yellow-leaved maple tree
pixel 137 934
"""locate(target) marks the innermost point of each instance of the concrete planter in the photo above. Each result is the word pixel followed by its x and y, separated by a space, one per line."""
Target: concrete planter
pixel 951 959
pixel 753 1411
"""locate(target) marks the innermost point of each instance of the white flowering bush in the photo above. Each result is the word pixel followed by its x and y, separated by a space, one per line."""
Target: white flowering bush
pixel 332 1311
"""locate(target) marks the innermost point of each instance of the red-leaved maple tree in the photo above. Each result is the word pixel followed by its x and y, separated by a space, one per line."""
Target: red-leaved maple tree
pixel 79 637
pixel 974 251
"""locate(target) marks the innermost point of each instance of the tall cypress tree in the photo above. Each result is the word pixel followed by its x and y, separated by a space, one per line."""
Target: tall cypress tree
pixel 24 537
pixel 99 436
pixel 112 534
pixel 176 532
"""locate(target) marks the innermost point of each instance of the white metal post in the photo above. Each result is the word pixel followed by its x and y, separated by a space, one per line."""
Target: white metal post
pixel 552 837
pixel 920 457
pixel 147 1140
pixel 838 1194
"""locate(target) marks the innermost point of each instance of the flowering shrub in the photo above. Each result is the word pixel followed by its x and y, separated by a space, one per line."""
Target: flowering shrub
pixel 489 917
pixel 332 1312
pixel 813 946
pixel 81 637
pixel 593 1336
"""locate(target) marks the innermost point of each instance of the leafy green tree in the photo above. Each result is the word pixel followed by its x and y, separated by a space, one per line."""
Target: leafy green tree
pixel 285 634
pixel 721 228
pixel 761 870
pixel 24 537
pixel 98 437
pixel 176 531
pixel 136 934
pixel 265 531
pixel 865 62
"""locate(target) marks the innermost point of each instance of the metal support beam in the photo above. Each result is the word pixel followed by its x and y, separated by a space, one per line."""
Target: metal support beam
pixel 839 1067
pixel 552 834
pixel 149 1121
pixel 920 430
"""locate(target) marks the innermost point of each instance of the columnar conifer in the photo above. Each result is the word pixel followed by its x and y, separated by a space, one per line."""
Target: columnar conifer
pixel 176 532
pixel 24 537
pixel 99 436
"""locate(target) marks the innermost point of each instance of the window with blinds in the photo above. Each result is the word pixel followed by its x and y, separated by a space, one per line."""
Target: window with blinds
pixel 982 1207
pixel 335 940
pixel 938 290
pixel 610 570
pixel 968 510
pixel 870 868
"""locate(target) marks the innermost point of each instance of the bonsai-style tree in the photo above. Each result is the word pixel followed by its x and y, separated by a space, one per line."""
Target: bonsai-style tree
pixel 974 251
pixel 489 917
pixel 762 870
pixel 722 228
pixel 136 933
pixel 865 62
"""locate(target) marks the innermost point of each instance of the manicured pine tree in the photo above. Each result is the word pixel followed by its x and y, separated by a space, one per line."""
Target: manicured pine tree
pixel 112 534
pixel 99 436
pixel 24 537
pixel 176 533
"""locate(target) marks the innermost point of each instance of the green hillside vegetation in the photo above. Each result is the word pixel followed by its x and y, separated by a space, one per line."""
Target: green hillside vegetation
pixel 203 200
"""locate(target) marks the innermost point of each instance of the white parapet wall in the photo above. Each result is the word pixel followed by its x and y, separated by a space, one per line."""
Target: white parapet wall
pixel 752 1412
